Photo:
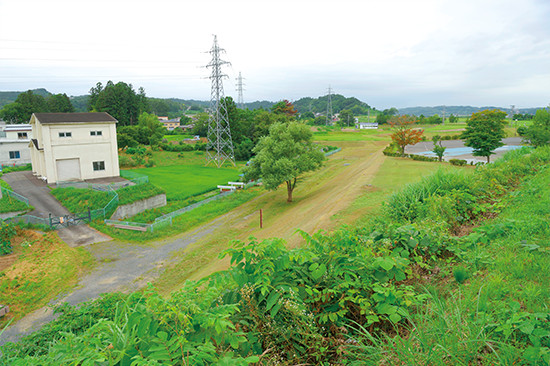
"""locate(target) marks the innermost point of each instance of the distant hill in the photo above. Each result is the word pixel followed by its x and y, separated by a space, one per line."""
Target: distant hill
pixel 8 97
pixel 457 110
pixel 339 102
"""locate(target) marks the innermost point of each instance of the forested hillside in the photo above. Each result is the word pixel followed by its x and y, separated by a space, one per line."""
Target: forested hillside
pixel 339 102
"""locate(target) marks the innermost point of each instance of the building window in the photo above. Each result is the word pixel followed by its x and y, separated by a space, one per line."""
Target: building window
pixel 22 135
pixel 96 133
pixel 65 134
pixel 15 155
pixel 99 165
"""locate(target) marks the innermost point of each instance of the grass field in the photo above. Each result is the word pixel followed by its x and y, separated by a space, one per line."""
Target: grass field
pixel 177 137
pixel 181 181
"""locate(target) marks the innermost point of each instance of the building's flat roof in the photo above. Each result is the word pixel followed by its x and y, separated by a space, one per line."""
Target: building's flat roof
pixel 74 117
pixel 21 127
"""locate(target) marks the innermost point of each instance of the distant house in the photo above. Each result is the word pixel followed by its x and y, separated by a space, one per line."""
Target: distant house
pixel 170 124
pixel 14 144
pixel 73 146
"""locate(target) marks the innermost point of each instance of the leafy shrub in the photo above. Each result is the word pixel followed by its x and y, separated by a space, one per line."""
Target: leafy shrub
pixel 458 162
pixel 140 150
pixel 7 232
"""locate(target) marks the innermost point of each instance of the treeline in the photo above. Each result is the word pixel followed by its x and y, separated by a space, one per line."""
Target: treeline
pixel 30 102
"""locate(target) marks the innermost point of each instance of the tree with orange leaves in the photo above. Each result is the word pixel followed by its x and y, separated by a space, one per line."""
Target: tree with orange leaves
pixel 284 107
pixel 403 133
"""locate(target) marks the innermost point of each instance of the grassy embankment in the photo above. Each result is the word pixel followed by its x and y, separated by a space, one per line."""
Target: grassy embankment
pixel 40 268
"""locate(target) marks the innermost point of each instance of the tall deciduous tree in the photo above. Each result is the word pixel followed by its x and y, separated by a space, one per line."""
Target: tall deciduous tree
pixel 284 107
pixel 538 134
pixel 283 155
pixel 59 103
pixel 484 132
pixel 403 133
pixel 346 118
pixel 24 106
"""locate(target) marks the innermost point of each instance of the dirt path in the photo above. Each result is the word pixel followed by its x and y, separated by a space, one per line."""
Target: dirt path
pixel 318 197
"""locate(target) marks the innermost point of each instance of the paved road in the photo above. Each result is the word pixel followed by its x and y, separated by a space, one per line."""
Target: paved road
pixel 124 267
pixel 38 193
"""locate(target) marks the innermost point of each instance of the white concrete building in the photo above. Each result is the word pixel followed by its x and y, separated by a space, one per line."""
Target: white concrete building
pixel 367 125
pixel 74 146
pixel 14 144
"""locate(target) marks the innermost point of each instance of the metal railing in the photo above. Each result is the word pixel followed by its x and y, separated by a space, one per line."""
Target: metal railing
pixel 14 195
pixel 29 219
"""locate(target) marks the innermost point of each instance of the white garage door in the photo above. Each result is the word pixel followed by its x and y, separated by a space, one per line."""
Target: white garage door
pixel 68 169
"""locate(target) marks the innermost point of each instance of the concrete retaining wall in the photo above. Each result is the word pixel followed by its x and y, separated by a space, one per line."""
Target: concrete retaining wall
pixel 139 206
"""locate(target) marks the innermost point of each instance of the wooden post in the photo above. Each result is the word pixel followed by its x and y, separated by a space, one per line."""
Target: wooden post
pixel 261 219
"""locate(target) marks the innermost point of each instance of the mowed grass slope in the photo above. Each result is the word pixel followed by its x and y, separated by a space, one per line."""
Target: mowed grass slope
pixel 180 181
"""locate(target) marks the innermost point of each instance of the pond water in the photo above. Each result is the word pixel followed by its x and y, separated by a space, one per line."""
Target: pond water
pixel 457 151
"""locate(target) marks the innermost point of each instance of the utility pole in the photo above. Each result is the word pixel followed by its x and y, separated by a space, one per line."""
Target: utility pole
pixel 444 110
pixel 240 100
pixel 329 107
pixel 219 147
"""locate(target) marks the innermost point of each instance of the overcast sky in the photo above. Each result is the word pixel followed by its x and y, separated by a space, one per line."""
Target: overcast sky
pixel 386 53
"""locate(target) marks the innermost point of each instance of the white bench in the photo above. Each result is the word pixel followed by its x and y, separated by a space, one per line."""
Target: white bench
pixel 227 188
pixel 236 184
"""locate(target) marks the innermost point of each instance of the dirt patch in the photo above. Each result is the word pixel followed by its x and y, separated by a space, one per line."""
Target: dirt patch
pixel 22 237
pixel 7 261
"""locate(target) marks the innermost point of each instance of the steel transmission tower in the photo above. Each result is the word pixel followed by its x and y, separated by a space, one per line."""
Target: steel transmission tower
pixel 329 107
pixel 219 147
pixel 240 100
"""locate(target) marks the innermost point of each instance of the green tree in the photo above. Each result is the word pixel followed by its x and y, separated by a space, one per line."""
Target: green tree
pixel 119 100
pixel 283 155
pixel 346 118
pixel 284 107
pixel 24 106
pixel 484 132
pixel 538 134
pixel 200 124
pixel 59 103
pixel 385 115
pixel 155 129
pixel 13 113
pixel 453 118
pixel 439 149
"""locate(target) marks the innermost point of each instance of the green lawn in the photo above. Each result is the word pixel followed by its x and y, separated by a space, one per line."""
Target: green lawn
pixel 180 181
pixel 177 137
pixel 355 135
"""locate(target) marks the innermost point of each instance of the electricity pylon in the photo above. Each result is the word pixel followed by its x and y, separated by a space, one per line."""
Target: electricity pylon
pixel 219 147
pixel 240 100
pixel 329 107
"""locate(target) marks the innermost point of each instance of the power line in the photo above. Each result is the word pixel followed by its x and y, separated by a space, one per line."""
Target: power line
pixel 219 147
